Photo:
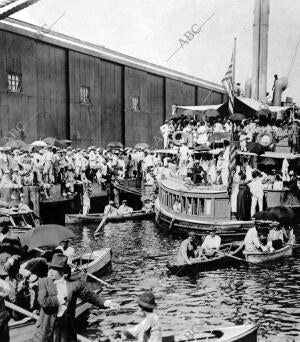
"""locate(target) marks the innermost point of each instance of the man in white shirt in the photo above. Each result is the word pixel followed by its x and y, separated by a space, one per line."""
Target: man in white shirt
pixel 252 242
pixel 67 250
pixel 211 243
pixel 124 210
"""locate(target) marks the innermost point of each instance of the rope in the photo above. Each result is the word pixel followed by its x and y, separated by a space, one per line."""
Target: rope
pixel 294 58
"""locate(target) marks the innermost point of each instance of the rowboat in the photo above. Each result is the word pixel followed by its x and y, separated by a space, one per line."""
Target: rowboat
pixel 96 218
pixel 24 329
pixel 259 257
pixel 224 259
pixel 239 333
pixel 96 262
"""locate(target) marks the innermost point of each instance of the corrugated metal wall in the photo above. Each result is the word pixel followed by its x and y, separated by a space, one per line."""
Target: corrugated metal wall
pixel 49 104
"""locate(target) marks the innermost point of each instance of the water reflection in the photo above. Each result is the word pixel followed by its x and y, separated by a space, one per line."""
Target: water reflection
pixel 268 296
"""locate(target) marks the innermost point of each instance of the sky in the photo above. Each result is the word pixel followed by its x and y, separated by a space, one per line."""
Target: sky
pixel 154 31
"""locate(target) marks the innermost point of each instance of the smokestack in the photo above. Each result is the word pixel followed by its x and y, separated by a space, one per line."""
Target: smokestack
pixel 260 49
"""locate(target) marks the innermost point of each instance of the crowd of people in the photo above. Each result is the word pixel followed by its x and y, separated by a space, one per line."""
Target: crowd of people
pixel 199 132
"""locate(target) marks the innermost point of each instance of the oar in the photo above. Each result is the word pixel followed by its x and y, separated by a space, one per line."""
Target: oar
pixel 240 259
pixel 36 317
pixel 101 224
pixel 100 280
pixel 155 256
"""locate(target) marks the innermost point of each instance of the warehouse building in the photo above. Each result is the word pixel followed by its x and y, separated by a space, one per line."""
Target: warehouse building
pixel 53 85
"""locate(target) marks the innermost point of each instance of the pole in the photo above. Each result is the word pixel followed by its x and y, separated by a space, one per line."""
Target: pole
pixel 233 69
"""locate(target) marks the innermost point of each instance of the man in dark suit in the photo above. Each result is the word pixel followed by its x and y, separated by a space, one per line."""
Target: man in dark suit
pixel 57 298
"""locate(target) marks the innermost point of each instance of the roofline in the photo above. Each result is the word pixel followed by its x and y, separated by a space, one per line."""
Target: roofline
pixel 62 40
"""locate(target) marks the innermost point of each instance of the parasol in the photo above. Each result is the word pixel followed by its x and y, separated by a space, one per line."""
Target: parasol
pixel 46 235
pixel 219 136
pixel 39 143
pixel 115 144
pixel 19 144
pixel 284 214
pixel 266 216
pixel 268 161
pixel 236 117
pixel 141 146
pixel 264 112
pixel 53 142
pixel 212 113
pixel 254 147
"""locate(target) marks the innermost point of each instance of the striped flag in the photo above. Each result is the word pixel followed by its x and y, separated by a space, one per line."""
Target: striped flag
pixel 231 165
pixel 229 85
pixel 9 7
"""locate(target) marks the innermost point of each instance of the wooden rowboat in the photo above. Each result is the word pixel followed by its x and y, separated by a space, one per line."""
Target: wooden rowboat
pixel 96 262
pixel 97 218
pixel 224 259
pixel 24 329
pixel 259 257
pixel 240 333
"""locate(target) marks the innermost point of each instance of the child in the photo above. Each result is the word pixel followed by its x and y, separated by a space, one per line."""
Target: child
pixel 149 330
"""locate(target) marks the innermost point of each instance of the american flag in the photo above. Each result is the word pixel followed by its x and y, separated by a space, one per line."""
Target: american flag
pixel 9 7
pixel 227 82
pixel 231 165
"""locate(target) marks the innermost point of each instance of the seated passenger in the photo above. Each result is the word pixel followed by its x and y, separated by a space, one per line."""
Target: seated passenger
pixel 110 209
pixel 275 236
pixel 124 210
pixel 177 205
pixel 211 243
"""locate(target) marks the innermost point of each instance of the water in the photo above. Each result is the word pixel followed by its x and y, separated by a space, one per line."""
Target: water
pixel 268 296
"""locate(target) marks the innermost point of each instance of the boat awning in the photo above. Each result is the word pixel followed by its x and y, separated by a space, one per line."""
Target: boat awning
pixel 279 155
pixel 257 105
pixel 200 108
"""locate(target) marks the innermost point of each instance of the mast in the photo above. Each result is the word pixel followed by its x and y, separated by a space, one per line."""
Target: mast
pixel 260 49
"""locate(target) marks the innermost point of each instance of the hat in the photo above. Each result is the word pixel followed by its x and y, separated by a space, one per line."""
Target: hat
pixel 111 202
pixel 58 261
pixel 191 234
pixel 6 171
pixel 147 300
pixel 124 201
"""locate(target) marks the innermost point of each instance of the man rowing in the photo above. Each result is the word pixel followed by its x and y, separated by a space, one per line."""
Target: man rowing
pixel 124 209
pixel 252 240
pixel 186 250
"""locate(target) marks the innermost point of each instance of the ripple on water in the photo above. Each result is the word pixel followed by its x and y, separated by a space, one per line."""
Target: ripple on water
pixel 268 296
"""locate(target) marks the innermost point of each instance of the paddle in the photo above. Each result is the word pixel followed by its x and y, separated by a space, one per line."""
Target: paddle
pixel 36 317
pixel 101 224
pixel 240 259
pixel 100 280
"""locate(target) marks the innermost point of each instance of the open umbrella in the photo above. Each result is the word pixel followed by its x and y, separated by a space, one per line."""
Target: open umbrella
pixel 254 147
pixel 19 144
pixel 263 112
pixel 266 216
pixel 115 144
pixel 46 235
pixel 53 142
pixel 285 214
pixel 141 146
pixel 268 161
pixel 237 117
pixel 212 113
pixel 39 143
pixel 219 136
pixel 65 142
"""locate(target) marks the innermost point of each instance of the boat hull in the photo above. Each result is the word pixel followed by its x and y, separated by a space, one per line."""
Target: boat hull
pixel 100 262
pixel 96 218
pixel 231 230
pixel 260 257
pixel 209 264
pixel 242 333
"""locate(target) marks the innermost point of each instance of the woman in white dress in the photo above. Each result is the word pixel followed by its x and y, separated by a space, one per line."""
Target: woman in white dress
pixel 235 189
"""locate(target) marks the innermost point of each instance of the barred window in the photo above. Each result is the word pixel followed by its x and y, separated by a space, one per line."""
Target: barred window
pixel 85 95
pixel 135 103
pixel 14 82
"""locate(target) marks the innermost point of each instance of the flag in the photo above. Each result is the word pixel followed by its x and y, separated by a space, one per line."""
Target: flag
pixel 227 82
pixel 231 165
pixel 9 7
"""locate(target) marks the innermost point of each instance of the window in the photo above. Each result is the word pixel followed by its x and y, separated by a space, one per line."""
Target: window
pixel 135 103
pixel 85 95
pixel 14 82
